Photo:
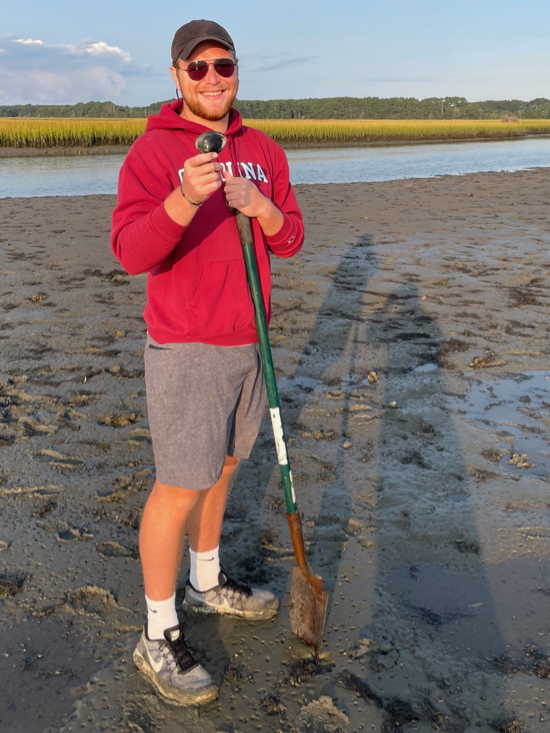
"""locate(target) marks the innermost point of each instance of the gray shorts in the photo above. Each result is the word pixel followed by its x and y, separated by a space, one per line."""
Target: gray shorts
pixel 204 403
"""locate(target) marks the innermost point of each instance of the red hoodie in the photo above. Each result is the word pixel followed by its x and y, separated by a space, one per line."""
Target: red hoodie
pixel 197 288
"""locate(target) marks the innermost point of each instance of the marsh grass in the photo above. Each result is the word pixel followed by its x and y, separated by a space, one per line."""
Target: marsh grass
pixel 66 133
pixel 373 131
pixel 88 133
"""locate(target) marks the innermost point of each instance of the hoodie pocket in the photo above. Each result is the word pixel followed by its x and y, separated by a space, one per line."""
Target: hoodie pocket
pixel 222 303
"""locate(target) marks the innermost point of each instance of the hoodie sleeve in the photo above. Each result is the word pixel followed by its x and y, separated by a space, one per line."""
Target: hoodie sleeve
pixel 290 237
pixel 143 234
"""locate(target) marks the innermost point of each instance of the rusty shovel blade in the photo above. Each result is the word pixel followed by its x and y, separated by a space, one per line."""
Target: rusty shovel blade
pixel 308 600
pixel 308 608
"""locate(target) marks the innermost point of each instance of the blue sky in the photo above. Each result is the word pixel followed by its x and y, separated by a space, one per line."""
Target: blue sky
pixel 61 52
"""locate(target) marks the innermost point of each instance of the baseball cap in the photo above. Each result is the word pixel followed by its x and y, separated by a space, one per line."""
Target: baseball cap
pixel 196 31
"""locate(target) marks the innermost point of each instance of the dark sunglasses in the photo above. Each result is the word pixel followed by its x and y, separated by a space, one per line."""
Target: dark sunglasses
pixel 197 70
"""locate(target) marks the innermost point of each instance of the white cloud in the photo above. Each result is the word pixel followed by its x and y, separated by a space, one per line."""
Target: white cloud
pixel 263 62
pixel 28 41
pixel 33 71
pixel 102 49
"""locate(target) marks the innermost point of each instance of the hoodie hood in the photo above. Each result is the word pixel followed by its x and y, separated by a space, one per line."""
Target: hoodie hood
pixel 169 119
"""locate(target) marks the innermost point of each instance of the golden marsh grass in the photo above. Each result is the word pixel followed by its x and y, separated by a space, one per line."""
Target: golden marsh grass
pixel 370 131
pixel 88 133
pixel 66 132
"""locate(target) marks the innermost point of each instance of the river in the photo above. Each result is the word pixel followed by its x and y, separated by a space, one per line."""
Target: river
pixel 93 174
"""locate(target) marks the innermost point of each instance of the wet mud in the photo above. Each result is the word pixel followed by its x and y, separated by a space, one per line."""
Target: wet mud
pixel 411 344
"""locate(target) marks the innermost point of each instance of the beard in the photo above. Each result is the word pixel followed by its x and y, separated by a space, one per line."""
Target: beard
pixel 199 110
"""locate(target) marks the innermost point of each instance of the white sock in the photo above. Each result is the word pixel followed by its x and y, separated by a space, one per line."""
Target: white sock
pixel 204 569
pixel 161 615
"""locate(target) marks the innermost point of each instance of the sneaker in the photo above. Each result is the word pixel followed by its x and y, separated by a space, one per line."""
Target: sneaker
pixel 173 669
pixel 232 598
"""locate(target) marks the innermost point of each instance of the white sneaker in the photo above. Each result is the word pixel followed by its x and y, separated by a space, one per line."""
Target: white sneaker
pixel 232 598
pixel 173 669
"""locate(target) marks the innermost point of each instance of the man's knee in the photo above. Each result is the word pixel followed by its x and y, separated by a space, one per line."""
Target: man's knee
pixel 174 495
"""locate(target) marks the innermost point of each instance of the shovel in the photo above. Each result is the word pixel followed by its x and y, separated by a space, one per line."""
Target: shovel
pixel 308 600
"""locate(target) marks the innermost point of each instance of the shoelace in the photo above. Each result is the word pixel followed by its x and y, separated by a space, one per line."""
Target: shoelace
pixel 181 655
pixel 234 587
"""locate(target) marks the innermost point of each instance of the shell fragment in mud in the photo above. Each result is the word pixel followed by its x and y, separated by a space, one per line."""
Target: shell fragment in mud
pixel 120 420
pixel 479 362
pixel 520 461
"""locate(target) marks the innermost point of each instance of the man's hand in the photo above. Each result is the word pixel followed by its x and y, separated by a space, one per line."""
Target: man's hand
pixel 201 177
pixel 243 195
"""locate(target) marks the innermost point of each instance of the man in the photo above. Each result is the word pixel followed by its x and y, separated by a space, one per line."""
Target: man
pixel 205 394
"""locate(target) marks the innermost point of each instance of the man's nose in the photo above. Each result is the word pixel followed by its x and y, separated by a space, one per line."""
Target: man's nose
pixel 212 76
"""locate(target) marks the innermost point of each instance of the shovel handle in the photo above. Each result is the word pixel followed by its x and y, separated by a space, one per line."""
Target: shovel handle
pixel 245 234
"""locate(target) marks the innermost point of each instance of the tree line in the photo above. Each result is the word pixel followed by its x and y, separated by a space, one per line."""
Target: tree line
pixel 338 108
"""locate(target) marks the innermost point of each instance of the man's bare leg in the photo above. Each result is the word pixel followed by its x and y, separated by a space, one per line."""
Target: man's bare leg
pixel 204 526
pixel 161 538
pixel 225 595
pixel 168 511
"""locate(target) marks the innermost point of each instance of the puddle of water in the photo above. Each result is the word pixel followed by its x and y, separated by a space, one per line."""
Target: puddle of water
pixel 457 498
pixel 518 406
pixel 426 368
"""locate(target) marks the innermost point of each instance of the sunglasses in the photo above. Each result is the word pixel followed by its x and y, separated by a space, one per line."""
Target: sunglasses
pixel 197 70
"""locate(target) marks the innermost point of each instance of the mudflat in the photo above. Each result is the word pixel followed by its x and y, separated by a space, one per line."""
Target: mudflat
pixel 411 343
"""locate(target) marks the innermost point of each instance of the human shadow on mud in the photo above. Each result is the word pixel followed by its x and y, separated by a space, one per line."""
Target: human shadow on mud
pixel 328 363
pixel 433 633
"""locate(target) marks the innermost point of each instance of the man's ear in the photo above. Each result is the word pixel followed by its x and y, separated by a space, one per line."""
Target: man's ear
pixel 174 73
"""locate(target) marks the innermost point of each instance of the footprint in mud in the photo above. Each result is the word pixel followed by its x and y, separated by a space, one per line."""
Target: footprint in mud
pixel 82 398
pixel 126 486
pixel 140 435
pixel 115 549
pixel 95 601
pixel 31 427
pixel 120 371
pixel 11 583
pixel 120 420
pixel 46 491
pixel 64 532
pixel 58 460
pixel 323 716
pixel 70 534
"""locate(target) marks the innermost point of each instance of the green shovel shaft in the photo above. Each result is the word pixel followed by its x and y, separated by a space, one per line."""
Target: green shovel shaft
pixel 245 233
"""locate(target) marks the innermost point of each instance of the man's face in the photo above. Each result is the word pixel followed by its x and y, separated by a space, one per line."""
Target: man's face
pixel 210 98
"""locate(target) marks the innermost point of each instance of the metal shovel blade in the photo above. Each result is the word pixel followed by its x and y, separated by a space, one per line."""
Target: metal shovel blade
pixel 308 608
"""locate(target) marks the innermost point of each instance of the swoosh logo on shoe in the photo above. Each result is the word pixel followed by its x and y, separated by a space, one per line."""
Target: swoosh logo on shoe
pixel 157 666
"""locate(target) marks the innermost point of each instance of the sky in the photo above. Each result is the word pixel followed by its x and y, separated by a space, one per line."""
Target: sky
pixel 63 53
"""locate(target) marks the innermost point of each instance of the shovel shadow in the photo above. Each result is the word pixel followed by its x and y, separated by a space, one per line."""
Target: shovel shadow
pixel 433 624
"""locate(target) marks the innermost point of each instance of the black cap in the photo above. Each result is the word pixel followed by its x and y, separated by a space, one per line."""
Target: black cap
pixel 196 31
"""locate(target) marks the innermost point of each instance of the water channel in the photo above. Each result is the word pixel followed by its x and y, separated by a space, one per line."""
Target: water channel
pixel 93 174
